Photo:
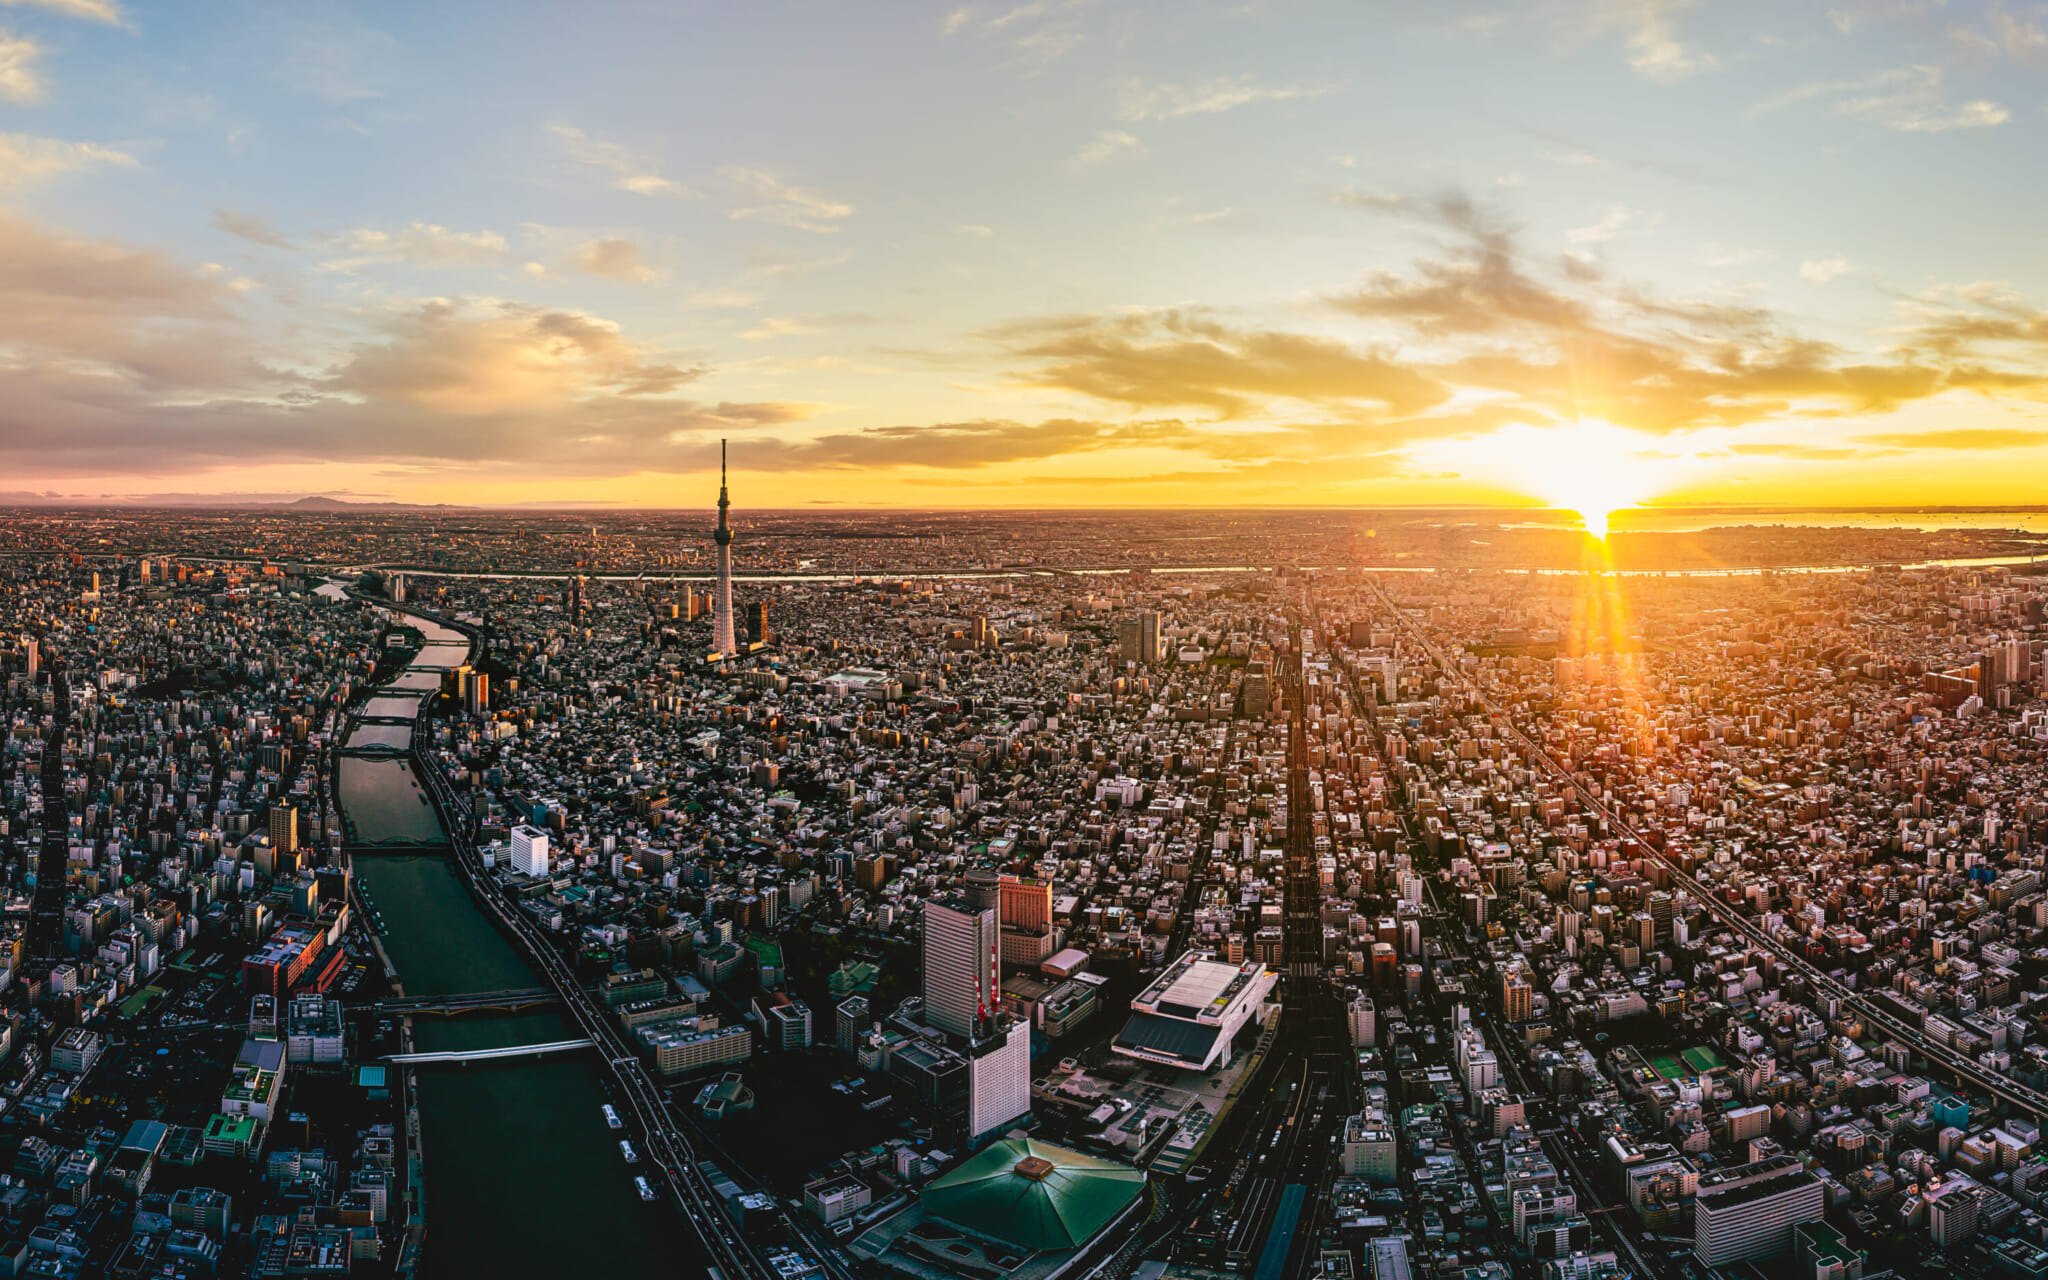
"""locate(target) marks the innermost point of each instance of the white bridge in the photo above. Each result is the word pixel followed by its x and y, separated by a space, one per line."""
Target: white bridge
pixel 466 1056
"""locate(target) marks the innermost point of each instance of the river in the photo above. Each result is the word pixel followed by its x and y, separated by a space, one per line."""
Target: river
pixel 522 1176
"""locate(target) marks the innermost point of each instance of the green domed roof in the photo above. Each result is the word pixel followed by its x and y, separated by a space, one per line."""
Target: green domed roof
pixel 1034 1195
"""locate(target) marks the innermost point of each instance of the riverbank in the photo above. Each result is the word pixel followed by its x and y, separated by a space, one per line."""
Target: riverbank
pixel 527 1178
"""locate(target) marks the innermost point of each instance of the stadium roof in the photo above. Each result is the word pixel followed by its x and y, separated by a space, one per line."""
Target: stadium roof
pixel 1191 1043
pixel 1034 1195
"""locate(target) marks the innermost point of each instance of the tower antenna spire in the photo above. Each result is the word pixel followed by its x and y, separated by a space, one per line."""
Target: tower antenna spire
pixel 724 638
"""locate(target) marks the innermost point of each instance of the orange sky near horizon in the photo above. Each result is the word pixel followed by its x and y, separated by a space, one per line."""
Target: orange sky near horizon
pixel 1028 255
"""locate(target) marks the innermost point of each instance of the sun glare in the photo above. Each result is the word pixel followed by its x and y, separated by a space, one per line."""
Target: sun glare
pixel 1590 467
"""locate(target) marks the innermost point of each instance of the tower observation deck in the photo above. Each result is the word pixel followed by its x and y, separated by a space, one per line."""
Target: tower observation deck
pixel 722 629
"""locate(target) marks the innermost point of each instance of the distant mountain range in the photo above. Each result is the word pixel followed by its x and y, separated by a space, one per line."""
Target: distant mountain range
pixel 317 502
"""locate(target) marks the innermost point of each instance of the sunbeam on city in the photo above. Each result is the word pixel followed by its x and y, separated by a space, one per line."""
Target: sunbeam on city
pixel 1023 640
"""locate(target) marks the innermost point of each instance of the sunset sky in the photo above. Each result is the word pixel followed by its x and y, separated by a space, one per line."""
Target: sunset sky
pixel 1051 253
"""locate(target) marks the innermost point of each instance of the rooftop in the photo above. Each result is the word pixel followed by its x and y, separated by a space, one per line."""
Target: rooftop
pixel 1034 1195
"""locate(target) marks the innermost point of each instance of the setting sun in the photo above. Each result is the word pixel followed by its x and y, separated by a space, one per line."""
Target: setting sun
pixel 1590 467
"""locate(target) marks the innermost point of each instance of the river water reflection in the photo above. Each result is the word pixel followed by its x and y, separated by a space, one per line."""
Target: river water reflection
pixel 522 1176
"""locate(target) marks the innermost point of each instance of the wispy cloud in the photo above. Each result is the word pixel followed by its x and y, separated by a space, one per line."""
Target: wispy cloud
pixel 1040 30
pixel 1652 32
pixel 775 327
pixel 1202 218
pixel 250 227
pixel 614 258
pixel 1651 35
pixel 1606 229
pixel 1104 147
pixel 2006 34
pixel 1908 99
pixel 1187 357
pixel 27 159
pixel 775 201
pixel 90 10
pixel 1138 101
pixel 769 263
pixel 1826 270
pixel 627 169
pixel 1715 255
pixel 420 244
pixel 1986 439
pixel 20 79
pixel 338 58
pixel 1669 364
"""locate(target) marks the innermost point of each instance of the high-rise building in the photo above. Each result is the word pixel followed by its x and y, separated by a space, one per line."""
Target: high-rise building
pixel 1026 904
pixel 32 651
pixel 1517 998
pixel 723 638
pixel 1386 967
pixel 1363 1021
pixel 1952 1213
pixel 477 694
pixel 983 889
pixel 284 828
pixel 1748 1211
pixel 530 851
pixel 1258 689
pixel 852 1023
pixel 1370 1151
pixel 961 947
pixel 1025 911
pixel 999 1078
pixel 871 872
pixel 1137 637
pixel 757 621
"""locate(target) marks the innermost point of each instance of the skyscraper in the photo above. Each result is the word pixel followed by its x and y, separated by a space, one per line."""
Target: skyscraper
pixel 998 1078
pixel 852 1023
pixel 1517 998
pixel 529 850
pixel 284 828
pixel 722 637
pixel 960 948
pixel 1137 637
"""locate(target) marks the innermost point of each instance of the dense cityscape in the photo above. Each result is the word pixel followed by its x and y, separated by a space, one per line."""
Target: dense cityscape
pixel 1023 640
pixel 751 910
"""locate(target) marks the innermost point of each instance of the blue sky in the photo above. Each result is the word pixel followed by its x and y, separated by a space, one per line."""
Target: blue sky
pixel 1013 254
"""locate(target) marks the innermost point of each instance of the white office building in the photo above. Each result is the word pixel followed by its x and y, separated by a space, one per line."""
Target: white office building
pixel 530 851
pixel 962 955
pixel 1748 1212
pixel 999 1079
pixel 1364 1022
